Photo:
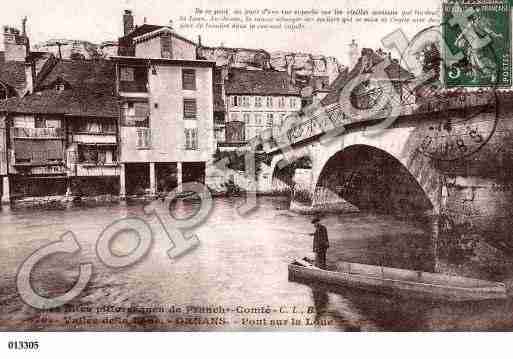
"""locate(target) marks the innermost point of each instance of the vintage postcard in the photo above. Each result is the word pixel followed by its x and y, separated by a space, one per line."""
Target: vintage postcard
pixel 271 166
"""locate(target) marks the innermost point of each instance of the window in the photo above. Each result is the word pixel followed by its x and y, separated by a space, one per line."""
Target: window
pixel 108 127
pixel 130 109
pixel 189 109
pixel 235 101
pixel 292 102
pixel 143 138
pixel 141 109
pixel 96 155
pixel 40 122
pixel 4 93
pixel 166 48
pixel 94 127
pixel 258 118
pixel 269 101
pixel 281 102
pixel 191 139
pixel 127 74
pixel 59 87
pixel 245 101
pixel 133 79
pixel 235 132
pixel 102 157
pixel 136 114
pixel 246 118
pixel 270 119
pixel 188 79
pixel 258 101
pixel 234 116
pixel 282 119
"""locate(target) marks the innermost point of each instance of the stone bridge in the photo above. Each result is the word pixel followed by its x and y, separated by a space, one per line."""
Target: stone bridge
pixel 449 160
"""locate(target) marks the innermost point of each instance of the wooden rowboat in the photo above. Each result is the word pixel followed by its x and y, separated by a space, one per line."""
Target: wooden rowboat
pixel 396 281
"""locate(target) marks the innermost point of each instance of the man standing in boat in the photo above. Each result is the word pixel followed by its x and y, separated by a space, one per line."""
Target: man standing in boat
pixel 320 243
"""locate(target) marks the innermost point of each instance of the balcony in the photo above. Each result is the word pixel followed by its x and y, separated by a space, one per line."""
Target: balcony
pixel 96 170
pixel 35 152
pixel 37 133
pixel 132 86
pixel 88 137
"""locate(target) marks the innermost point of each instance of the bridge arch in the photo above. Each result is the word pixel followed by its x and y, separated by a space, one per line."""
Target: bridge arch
pixel 370 177
pixel 289 175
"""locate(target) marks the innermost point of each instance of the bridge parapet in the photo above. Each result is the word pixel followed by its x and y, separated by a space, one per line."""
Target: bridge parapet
pixel 325 119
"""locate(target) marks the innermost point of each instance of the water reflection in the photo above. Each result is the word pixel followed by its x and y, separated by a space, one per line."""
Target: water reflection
pixel 241 260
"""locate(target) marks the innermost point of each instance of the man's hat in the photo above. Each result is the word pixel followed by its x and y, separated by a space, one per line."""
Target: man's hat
pixel 315 220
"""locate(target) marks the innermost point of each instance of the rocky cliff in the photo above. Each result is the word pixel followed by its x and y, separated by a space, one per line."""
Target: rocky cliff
pixel 302 64
pixel 70 48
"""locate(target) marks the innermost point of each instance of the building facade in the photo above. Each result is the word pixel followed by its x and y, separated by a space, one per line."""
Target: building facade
pixel 257 101
pixel 167 113
pixel 62 139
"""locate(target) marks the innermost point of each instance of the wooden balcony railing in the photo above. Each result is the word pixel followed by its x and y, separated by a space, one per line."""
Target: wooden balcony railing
pixel 133 86
pixel 44 133
pixel 96 170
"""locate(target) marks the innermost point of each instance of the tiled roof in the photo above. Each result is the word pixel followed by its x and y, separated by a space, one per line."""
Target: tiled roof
pixel 158 32
pixel 12 73
pixel 74 102
pixel 96 75
pixel 92 91
pixel 394 71
pixel 336 87
pixel 256 82
pixel 143 29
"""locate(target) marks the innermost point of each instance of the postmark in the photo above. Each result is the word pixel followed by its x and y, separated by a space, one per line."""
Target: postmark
pixel 460 121
pixel 465 123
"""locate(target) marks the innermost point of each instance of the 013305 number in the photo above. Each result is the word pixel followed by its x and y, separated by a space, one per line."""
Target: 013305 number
pixel 23 345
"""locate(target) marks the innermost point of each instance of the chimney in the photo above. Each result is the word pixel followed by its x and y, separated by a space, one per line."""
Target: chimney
pixel 128 22
pixel 353 54
pixel 15 44
pixel 289 60
pixel 24 33
pixel 30 75
pixel 24 27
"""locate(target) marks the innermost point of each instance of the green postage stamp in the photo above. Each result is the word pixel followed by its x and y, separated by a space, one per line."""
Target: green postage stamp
pixel 477 36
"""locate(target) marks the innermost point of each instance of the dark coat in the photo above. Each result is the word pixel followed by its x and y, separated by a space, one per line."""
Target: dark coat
pixel 320 242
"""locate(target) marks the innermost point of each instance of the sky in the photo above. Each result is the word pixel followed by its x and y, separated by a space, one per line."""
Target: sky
pixel 101 20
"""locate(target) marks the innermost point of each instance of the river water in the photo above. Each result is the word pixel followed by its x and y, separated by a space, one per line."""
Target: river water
pixel 236 279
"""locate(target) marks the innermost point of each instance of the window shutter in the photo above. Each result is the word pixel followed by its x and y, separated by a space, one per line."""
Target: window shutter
pixel 148 137
pixel 188 79
pixel 195 138
pixel 139 138
pixel 270 120
pixel 189 109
